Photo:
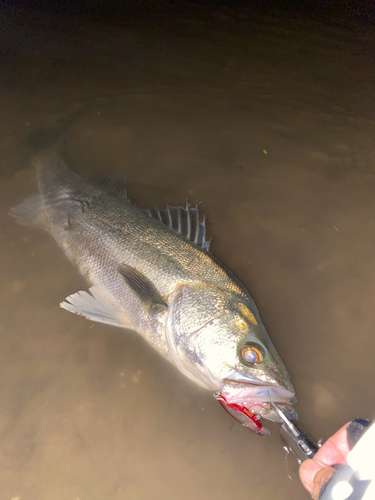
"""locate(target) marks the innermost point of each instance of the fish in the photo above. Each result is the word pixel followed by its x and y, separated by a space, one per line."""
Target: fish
pixel 152 271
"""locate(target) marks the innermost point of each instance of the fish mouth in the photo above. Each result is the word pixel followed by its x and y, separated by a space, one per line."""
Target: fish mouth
pixel 258 401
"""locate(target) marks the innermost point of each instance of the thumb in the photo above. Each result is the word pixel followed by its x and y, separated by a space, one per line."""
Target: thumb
pixel 314 475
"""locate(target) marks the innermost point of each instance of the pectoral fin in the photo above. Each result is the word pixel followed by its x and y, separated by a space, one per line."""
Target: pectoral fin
pixel 145 290
pixel 95 307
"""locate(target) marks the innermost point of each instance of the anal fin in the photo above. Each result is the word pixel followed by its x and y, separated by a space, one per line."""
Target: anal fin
pixel 30 211
pixel 95 307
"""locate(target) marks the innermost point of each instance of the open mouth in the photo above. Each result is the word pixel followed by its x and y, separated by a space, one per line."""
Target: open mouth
pixel 249 403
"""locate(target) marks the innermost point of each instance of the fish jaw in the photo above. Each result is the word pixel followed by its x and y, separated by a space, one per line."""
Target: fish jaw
pixel 248 403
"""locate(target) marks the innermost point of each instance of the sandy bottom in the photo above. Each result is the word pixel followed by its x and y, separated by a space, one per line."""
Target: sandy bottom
pixel 269 122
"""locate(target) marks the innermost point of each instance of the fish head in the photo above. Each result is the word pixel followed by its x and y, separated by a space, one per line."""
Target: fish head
pixel 258 379
pixel 225 349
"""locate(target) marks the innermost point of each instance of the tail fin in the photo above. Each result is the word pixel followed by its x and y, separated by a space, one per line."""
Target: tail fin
pixel 44 138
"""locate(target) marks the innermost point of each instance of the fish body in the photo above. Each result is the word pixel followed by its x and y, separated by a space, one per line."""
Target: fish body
pixel 152 271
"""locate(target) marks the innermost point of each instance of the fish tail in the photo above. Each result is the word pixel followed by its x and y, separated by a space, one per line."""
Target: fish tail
pixel 46 146
pixel 47 137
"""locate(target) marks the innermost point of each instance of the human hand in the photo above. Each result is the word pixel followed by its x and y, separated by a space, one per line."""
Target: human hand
pixel 315 473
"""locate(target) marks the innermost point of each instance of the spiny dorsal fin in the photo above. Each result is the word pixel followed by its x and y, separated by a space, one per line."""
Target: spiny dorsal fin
pixel 185 221
pixel 146 291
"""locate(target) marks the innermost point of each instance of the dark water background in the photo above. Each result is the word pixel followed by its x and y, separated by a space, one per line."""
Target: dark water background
pixel 268 119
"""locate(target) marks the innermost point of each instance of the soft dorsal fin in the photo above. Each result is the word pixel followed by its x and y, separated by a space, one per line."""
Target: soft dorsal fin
pixel 185 221
pixel 114 185
pixel 145 290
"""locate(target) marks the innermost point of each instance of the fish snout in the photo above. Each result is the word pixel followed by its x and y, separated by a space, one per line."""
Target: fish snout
pixel 280 396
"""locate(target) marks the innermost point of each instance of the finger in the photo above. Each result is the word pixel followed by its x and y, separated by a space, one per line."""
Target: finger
pixel 335 450
pixel 320 481
pixel 314 475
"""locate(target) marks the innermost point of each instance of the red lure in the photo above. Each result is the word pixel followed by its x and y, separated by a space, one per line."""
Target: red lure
pixel 229 407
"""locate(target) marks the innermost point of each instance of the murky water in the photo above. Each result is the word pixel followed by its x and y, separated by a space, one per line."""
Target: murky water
pixel 270 123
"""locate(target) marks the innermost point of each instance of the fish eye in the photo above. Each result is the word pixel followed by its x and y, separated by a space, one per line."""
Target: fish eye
pixel 250 354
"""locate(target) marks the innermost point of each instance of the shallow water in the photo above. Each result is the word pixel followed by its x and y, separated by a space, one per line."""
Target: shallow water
pixel 269 121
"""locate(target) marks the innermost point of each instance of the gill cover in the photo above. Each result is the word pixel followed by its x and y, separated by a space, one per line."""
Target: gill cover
pixel 191 309
pixel 208 329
